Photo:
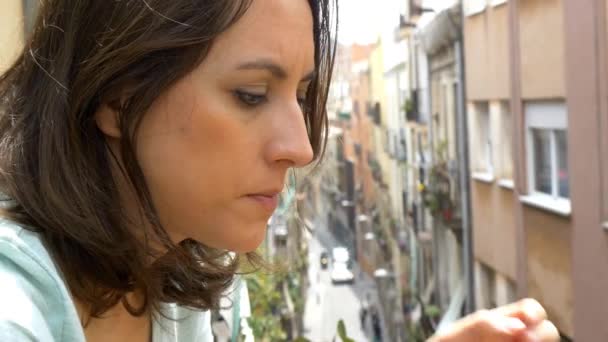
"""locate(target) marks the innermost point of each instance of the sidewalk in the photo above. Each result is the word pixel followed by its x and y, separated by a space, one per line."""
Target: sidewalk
pixel 366 285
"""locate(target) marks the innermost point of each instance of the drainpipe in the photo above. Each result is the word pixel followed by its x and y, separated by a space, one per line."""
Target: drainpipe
pixel 463 161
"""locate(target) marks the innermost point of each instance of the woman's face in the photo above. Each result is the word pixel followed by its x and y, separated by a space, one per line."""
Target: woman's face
pixel 215 148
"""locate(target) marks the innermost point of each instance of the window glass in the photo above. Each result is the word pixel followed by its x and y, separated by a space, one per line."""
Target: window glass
pixel 542 160
pixel 507 142
pixel 562 163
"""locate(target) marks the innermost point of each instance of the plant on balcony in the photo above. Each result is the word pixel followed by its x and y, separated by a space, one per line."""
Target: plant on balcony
pixel 266 304
pixel 436 194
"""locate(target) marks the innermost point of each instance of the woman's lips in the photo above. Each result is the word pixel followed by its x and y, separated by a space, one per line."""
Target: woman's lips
pixel 268 202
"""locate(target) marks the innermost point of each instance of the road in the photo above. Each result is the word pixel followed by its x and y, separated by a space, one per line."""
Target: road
pixel 328 303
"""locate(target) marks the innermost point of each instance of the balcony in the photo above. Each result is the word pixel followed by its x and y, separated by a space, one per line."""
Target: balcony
pixel 373 111
pixel 412 108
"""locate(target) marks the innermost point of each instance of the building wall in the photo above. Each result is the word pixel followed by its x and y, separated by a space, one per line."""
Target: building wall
pixel 549 265
pixel 443 101
pixel 494 227
pixel 11 31
pixel 542 59
pixel 365 133
pixel 378 95
pixel 510 60
pixel 587 88
pixel 486 37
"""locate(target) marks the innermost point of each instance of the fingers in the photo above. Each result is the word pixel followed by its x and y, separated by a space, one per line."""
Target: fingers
pixel 527 310
pixel 483 326
pixel 543 332
pixel 524 321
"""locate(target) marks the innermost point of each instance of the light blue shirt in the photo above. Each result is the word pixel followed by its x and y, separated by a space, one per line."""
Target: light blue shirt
pixel 35 304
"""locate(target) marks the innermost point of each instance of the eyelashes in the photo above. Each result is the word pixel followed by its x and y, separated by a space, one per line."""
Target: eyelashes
pixel 252 100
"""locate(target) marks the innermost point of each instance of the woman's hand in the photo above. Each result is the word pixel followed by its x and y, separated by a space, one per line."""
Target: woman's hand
pixel 524 321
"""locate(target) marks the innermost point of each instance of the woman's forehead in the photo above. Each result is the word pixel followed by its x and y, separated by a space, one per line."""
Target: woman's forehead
pixel 281 30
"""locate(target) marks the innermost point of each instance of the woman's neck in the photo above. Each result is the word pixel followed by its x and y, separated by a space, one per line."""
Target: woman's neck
pixel 117 324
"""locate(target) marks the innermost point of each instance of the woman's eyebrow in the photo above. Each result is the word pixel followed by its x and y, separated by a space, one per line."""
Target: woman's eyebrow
pixel 274 68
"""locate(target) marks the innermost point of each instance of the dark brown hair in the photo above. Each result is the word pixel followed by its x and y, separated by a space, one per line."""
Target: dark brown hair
pixel 54 162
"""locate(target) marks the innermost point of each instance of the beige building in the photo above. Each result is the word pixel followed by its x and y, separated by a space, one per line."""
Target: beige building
pixel 443 197
pixel 12 31
pixel 537 106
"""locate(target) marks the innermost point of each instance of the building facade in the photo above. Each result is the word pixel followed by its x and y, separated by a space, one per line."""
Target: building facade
pixel 536 84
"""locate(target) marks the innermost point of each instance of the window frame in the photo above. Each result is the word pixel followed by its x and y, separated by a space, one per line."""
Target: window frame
pixel 473 7
pixel 506 145
pixel 495 3
pixel 549 116
pixel 484 159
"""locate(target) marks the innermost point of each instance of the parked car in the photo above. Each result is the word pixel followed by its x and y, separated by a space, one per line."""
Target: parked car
pixel 340 254
pixel 340 273
pixel 324 260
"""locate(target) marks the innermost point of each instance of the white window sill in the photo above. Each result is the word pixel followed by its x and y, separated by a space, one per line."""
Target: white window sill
pixel 558 206
pixel 484 177
pixel 506 183
pixel 474 11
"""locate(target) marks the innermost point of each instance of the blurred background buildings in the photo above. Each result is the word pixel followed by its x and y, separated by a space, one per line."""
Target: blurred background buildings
pixel 467 167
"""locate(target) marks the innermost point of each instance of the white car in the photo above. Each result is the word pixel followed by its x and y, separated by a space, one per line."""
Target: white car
pixel 340 254
pixel 341 274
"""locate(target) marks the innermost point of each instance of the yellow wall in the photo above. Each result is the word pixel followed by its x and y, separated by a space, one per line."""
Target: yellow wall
pixel 487 49
pixel 378 94
pixel 494 234
pixel 542 49
pixel 549 265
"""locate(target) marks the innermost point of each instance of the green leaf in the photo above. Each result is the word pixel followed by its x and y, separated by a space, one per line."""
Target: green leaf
pixel 301 339
pixel 341 329
pixel 342 332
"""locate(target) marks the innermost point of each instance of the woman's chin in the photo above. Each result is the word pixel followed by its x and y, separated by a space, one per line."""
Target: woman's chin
pixel 249 245
pixel 243 240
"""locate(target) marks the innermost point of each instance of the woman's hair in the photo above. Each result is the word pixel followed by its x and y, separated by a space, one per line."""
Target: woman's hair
pixel 54 161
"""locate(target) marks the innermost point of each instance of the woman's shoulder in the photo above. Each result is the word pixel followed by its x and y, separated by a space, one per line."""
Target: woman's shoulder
pixel 36 304
pixel 23 252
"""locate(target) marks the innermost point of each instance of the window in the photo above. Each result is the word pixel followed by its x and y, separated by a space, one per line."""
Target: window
pixel 484 139
pixel 497 2
pixel 506 141
pixel 547 150
pixel 505 290
pixel 486 286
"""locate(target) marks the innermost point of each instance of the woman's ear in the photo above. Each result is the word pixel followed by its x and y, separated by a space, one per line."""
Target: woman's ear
pixel 107 119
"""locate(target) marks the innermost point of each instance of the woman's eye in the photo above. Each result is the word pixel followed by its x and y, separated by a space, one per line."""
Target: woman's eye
pixel 250 99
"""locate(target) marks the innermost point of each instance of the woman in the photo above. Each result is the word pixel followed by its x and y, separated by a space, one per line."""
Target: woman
pixel 141 141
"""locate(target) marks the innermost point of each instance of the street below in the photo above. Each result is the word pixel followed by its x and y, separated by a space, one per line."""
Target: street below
pixel 329 303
